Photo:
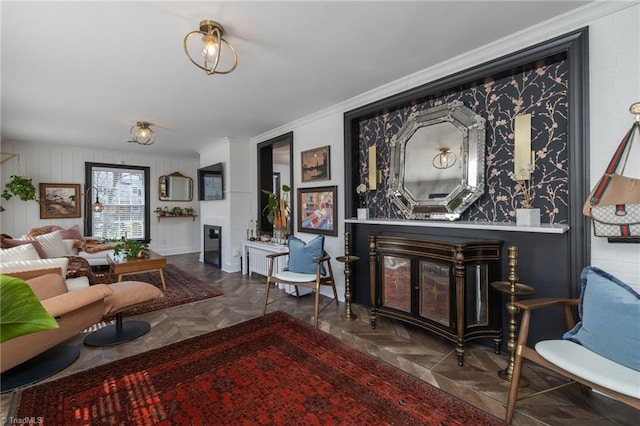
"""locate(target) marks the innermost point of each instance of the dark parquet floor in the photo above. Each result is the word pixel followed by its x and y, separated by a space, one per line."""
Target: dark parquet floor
pixel 408 348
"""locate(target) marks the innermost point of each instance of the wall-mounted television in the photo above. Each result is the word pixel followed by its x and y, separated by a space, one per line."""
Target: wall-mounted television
pixel 211 182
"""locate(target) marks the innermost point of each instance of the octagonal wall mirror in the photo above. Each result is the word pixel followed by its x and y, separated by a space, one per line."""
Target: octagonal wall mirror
pixel 175 187
pixel 437 162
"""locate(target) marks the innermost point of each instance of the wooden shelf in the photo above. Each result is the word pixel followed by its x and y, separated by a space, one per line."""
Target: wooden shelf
pixel 193 216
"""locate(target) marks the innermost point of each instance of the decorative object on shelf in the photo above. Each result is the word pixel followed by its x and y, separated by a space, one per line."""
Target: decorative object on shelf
pixel 20 187
pixel 528 217
pixel 277 211
pixel 97 205
pixel 316 164
pixel 347 259
pixel 142 134
pixel 131 249
pixel 59 200
pixel 162 212
pixel 210 47
pixel 614 203
pixel 318 208
pixel 513 288
pixel 363 211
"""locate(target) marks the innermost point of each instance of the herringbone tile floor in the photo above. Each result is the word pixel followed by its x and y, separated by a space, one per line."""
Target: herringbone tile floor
pixel 413 350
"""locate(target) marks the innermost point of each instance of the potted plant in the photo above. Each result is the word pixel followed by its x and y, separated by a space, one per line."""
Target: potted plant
pixel 189 211
pixel 21 187
pixel 159 211
pixel 277 212
pixel 176 211
pixel 131 249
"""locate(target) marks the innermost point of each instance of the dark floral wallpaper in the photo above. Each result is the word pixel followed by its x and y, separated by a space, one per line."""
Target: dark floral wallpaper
pixel 540 89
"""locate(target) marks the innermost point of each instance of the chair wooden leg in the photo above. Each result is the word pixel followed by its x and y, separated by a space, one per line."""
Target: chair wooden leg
pixel 315 321
pixel 266 298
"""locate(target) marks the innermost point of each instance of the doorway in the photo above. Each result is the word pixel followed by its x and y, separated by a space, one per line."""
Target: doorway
pixel 275 169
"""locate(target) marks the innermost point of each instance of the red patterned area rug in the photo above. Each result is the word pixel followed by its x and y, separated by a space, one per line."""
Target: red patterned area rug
pixel 270 370
pixel 181 288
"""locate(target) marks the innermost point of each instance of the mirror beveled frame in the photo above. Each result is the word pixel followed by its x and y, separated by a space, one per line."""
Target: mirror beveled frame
pixel 431 131
pixel 162 187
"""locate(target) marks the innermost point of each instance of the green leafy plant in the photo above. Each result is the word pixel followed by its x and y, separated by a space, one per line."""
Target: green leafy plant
pixel 20 310
pixel 131 248
pixel 21 187
pixel 176 211
pixel 277 208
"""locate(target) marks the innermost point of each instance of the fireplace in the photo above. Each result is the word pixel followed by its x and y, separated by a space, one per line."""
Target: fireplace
pixel 213 245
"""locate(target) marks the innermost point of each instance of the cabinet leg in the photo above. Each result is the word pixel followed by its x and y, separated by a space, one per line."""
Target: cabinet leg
pixel 497 342
pixel 372 318
pixel 460 351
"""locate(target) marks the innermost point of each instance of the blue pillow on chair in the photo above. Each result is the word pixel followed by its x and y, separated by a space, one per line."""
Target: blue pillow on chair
pixel 301 255
pixel 609 318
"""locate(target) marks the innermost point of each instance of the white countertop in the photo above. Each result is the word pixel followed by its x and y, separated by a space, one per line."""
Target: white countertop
pixel 545 228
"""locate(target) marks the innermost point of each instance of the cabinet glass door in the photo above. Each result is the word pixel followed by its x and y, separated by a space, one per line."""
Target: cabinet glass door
pixel 477 293
pixel 435 292
pixel 396 283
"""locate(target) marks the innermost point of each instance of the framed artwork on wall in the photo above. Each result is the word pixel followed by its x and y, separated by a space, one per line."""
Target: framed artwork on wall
pixel 59 200
pixel 318 209
pixel 316 164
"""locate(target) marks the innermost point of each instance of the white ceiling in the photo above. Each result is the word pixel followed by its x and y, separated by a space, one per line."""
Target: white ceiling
pixel 82 73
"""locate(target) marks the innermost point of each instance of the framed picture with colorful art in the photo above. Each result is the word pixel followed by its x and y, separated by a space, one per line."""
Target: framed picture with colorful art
pixel 59 200
pixel 317 210
pixel 316 164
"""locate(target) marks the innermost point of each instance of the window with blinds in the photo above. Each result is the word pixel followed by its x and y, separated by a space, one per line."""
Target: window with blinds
pixel 124 193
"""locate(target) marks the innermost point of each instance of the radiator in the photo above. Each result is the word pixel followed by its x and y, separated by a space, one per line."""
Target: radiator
pixel 259 263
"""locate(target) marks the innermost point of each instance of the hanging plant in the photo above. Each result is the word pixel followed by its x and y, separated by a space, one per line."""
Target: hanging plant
pixel 21 187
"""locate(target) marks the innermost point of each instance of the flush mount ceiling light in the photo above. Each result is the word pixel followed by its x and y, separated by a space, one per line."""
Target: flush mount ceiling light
pixel 444 159
pixel 210 46
pixel 142 134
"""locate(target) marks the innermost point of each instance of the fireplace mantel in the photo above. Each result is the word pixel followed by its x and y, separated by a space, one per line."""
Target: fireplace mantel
pixel 545 228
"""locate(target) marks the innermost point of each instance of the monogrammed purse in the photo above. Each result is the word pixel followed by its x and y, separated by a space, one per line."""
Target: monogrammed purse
pixel 614 203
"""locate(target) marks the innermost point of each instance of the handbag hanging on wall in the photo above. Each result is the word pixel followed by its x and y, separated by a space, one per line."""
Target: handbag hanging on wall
pixel 614 203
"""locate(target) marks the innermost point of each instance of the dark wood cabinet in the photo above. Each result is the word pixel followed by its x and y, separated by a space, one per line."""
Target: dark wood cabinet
pixel 442 286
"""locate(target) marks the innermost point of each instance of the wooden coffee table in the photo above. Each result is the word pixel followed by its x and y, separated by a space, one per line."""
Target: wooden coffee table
pixel 123 266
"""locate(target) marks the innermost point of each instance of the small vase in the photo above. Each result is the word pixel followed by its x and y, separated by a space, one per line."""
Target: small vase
pixel 280 235
pixel 528 217
pixel 363 214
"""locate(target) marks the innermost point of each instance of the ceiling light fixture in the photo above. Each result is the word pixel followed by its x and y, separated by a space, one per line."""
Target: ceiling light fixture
pixel 142 134
pixel 445 159
pixel 211 48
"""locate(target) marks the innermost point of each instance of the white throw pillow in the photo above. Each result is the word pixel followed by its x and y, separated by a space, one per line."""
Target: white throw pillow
pixel 21 252
pixel 53 245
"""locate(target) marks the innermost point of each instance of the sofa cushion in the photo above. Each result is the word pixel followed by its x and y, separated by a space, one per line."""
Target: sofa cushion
pixel 53 245
pixel 10 242
pixel 609 316
pixel 21 252
pixel 301 255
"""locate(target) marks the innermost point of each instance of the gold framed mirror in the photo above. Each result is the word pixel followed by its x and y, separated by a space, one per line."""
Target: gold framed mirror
pixel 175 187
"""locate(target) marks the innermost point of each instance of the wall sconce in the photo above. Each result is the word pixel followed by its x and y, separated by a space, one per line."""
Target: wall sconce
pixel 211 48
pixel 523 157
pixel 97 206
pixel 445 159
pixel 142 134
pixel 375 175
